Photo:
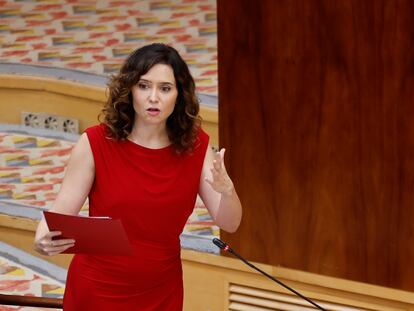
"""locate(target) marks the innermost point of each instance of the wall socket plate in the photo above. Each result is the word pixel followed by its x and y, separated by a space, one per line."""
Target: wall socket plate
pixel 44 120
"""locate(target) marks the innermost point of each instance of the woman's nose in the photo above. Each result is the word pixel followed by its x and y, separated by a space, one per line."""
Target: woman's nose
pixel 153 97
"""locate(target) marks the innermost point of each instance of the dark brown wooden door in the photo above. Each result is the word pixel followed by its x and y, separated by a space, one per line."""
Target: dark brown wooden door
pixel 316 110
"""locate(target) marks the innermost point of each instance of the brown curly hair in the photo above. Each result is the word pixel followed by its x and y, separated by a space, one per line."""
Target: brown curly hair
pixel 184 122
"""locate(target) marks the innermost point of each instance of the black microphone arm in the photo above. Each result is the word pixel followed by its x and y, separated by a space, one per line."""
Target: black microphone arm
pixel 222 245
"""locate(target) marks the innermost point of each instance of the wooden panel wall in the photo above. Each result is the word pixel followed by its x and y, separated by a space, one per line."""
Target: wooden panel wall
pixel 317 115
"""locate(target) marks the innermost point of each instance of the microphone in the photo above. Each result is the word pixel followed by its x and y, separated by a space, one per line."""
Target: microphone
pixel 224 246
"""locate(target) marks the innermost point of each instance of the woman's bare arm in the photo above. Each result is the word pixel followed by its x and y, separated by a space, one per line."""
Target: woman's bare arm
pixel 78 180
pixel 218 193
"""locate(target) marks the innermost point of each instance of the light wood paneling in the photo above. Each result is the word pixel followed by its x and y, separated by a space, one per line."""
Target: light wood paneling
pixel 211 283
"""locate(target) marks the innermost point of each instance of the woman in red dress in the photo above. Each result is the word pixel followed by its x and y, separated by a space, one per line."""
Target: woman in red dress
pixel 145 164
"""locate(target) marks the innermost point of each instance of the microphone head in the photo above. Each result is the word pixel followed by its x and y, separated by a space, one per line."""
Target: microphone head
pixel 219 243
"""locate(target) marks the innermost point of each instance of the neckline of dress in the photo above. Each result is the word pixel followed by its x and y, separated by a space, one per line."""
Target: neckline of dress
pixel 147 148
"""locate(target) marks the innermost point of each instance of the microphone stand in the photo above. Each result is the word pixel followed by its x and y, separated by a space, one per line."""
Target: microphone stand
pixel 222 245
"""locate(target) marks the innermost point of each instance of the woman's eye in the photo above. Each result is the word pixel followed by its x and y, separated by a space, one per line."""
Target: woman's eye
pixel 143 86
pixel 166 88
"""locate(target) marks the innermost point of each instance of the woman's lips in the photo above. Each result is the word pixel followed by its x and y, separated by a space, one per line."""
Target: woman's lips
pixel 153 111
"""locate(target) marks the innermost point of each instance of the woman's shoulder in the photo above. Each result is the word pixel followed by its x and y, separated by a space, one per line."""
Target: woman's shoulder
pixel 202 135
pixel 97 130
pixel 202 140
pixel 98 137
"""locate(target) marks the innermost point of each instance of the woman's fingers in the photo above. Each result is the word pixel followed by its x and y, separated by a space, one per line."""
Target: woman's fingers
pixel 48 246
pixel 218 161
pixel 54 250
pixel 59 249
pixel 218 170
pixel 62 242
pixel 52 234
pixel 215 172
pixel 217 164
pixel 220 181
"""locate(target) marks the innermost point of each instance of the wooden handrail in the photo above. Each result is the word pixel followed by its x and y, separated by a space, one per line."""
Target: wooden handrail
pixel 30 301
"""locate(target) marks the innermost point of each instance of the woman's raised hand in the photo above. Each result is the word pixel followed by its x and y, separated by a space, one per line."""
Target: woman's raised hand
pixel 221 181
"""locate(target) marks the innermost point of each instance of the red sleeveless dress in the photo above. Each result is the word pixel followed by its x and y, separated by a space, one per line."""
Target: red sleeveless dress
pixel 153 192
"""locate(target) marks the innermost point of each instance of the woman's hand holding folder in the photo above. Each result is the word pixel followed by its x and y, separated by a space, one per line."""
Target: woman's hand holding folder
pixel 45 243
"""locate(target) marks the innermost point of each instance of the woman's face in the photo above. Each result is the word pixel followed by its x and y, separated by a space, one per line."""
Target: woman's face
pixel 154 95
